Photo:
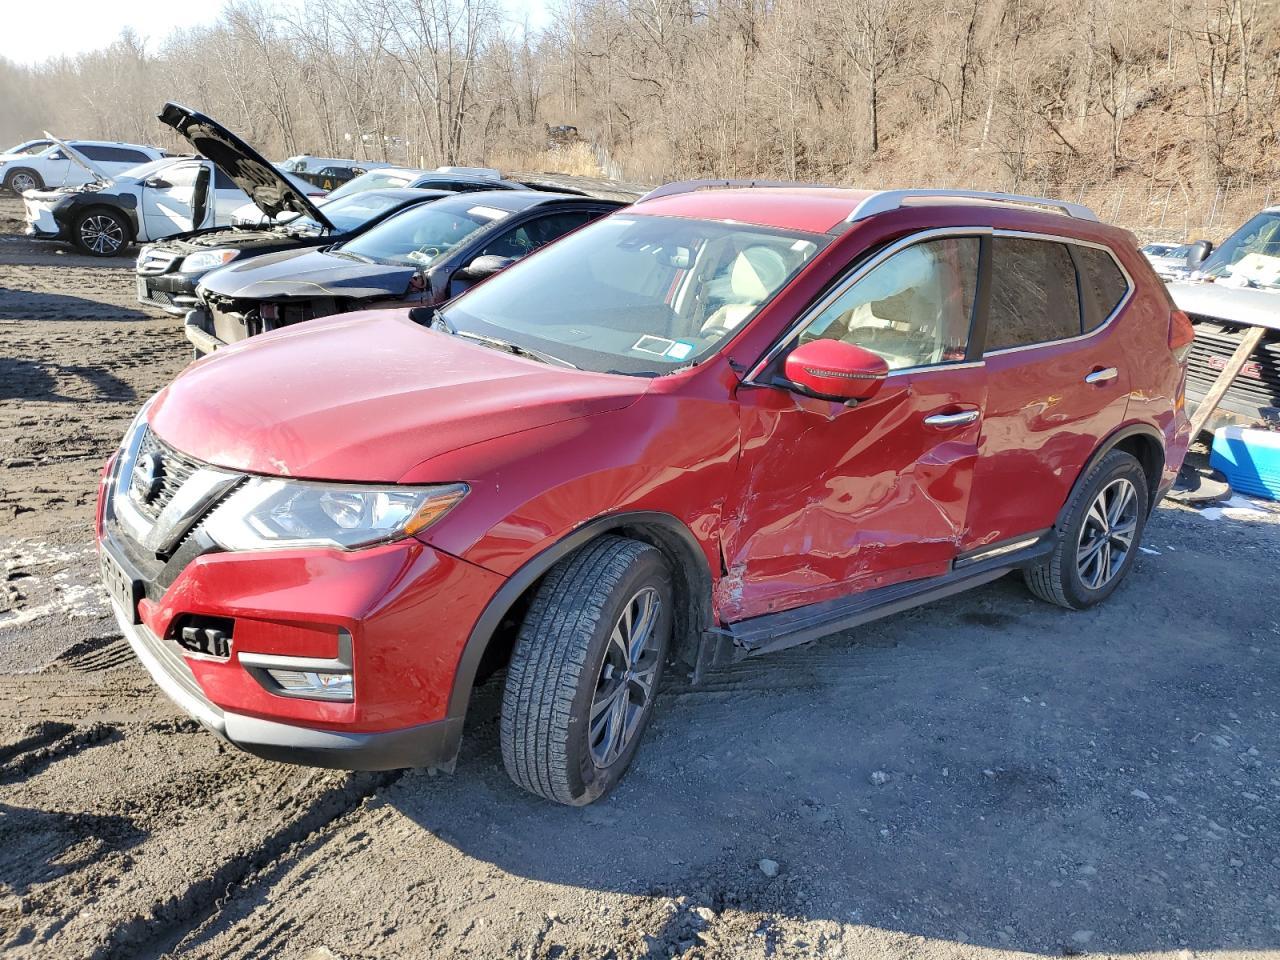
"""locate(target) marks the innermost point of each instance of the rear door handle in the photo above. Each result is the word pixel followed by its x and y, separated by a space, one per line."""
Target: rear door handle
pixel 1103 375
pixel 945 421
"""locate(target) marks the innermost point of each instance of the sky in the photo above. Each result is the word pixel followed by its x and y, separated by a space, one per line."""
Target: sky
pixel 68 27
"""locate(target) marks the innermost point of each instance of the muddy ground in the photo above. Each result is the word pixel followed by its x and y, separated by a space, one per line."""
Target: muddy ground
pixel 984 776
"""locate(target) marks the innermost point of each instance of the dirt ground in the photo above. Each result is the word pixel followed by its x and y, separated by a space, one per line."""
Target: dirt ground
pixel 984 776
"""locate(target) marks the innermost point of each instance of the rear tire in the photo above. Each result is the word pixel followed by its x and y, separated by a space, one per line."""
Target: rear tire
pixel 22 179
pixel 586 666
pixel 102 232
pixel 1099 539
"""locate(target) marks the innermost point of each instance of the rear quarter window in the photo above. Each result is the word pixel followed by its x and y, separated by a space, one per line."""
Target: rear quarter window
pixel 1102 279
pixel 1033 294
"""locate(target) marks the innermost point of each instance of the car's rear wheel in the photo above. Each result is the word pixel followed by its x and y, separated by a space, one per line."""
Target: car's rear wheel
pixel 101 232
pixel 22 180
pixel 585 669
pixel 1098 542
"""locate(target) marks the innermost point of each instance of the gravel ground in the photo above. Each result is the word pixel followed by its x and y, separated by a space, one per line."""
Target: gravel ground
pixel 985 776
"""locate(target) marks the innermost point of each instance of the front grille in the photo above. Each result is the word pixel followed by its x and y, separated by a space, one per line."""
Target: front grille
pixel 159 472
pixel 151 262
pixel 159 297
pixel 1258 384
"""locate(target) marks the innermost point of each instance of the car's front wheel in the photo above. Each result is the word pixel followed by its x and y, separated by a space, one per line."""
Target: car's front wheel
pixel 101 232
pixel 1098 541
pixel 22 180
pixel 585 669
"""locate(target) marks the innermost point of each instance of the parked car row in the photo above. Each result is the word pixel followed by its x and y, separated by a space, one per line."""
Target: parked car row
pixel 721 421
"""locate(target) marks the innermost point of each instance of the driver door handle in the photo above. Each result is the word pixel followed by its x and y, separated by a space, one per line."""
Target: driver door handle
pixel 1103 375
pixel 946 421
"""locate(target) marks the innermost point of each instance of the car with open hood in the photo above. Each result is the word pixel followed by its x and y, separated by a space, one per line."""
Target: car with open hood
pixel 169 271
pixel 47 164
pixel 159 199
pixel 1231 290
pixel 423 256
pixel 724 421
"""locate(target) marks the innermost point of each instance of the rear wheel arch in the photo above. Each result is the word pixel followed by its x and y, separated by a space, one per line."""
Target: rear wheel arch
pixel 691 579
pixel 1140 440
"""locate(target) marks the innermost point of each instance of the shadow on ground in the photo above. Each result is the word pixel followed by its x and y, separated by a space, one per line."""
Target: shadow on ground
pixel 1057 781
pixel 41 380
pixel 19 304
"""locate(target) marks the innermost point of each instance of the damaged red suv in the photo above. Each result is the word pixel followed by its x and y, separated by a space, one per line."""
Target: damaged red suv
pixel 723 421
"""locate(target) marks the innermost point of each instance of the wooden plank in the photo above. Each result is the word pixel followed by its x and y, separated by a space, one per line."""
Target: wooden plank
pixel 1248 343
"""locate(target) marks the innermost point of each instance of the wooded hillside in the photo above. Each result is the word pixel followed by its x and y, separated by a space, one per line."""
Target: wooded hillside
pixel 1153 110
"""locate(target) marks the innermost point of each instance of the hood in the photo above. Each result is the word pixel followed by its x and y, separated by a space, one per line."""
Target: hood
pixel 235 238
pixel 266 186
pixel 312 273
pixel 1250 305
pixel 96 172
pixel 367 397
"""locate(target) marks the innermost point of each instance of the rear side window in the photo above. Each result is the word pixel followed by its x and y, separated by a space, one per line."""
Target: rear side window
pixel 1101 279
pixel 1033 294
pixel 113 154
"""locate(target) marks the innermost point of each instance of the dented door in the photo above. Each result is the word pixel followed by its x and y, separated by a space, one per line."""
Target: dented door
pixel 833 500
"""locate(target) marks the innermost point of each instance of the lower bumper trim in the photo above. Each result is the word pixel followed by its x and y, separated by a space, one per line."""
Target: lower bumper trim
pixel 426 745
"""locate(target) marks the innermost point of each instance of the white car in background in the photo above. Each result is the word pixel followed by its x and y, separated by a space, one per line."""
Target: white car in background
pixel 148 202
pixel 1169 260
pixel 46 164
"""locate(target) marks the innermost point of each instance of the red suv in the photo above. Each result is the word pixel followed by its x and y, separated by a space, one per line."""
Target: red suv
pixel 723 421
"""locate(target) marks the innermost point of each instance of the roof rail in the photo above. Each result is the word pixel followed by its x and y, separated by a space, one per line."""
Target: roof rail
pixel 887 200
pixel 689 186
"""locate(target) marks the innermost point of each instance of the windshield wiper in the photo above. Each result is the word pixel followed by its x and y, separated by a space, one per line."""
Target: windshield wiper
pixel 510 347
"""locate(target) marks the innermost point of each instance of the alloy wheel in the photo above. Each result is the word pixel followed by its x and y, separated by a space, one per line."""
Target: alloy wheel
pixel 20 183
pixel 1106 537
pixel 102 233
pixel 625 685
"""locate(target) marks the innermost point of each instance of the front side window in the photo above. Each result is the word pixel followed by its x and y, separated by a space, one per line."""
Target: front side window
pixel 636 294
pixel 914 309
pixel 1033 294
pixel 181 176
pixel 1251 255
pixel 532 234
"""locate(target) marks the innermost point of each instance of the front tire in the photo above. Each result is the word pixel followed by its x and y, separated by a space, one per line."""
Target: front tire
pixel 101 232
pixel 1099 540
pixel 23 179
pixel 586 666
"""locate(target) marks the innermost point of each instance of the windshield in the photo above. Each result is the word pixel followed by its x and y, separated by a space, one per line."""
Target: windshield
pixel 636 294
pixel 1250 256
pixel 422 235
pixel 348 213
pixel 30 148
pixel 370 181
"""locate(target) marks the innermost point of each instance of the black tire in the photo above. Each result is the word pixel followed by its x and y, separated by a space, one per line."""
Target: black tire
pixel 102 232
pixel 1084 568
pixel 14 180
pixel 564 662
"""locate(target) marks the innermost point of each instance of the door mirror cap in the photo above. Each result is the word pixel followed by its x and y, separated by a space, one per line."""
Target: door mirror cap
pixel 481 268
pixel 156 183
pixel 1199 252
pixel 835 370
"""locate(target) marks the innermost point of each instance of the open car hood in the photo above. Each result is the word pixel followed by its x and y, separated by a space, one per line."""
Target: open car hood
pixel 98 174
pixel 264 184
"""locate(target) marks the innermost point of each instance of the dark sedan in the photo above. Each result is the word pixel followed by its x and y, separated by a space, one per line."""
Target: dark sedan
pixel 169 271
pixel 420 257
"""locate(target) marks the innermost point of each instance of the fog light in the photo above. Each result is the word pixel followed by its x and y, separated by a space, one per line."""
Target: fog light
pixel 307 683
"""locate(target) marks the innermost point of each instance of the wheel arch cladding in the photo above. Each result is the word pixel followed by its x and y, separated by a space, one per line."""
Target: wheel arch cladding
pixel 123 205
pixel 1141 441
pixel 690 576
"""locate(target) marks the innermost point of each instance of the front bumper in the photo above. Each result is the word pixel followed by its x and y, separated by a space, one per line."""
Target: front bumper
pixel 173 293
pixel 425 745
pixel 200 329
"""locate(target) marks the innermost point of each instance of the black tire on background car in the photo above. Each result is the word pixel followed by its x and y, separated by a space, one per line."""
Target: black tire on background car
pixel 102 232
pixel 22 179
pixel 586 666
pixel 1099 539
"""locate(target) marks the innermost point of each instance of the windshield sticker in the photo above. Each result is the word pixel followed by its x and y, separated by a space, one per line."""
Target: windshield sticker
pixel 493 213
pixel 658 346
pixel 681 350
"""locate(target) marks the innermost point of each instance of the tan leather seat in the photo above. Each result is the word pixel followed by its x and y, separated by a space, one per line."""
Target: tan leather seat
pixel 756 273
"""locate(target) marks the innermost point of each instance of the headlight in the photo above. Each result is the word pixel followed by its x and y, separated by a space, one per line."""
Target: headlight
pixel 207 260
pixel 267 514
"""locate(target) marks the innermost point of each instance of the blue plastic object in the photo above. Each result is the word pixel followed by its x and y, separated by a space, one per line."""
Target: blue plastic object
pixel 1250 459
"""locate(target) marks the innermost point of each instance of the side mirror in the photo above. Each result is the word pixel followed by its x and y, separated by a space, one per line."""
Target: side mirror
pixel 835 370
pixel 156 183
pixel 481 268
pixel 57 155
pixel 1198 253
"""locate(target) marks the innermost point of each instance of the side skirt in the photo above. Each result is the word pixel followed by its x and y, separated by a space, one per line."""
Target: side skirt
pixel 789 628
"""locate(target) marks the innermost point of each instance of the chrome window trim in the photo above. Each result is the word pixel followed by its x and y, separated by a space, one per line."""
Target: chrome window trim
pixel 923 236
pixel 848 280
pixel 1106 322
